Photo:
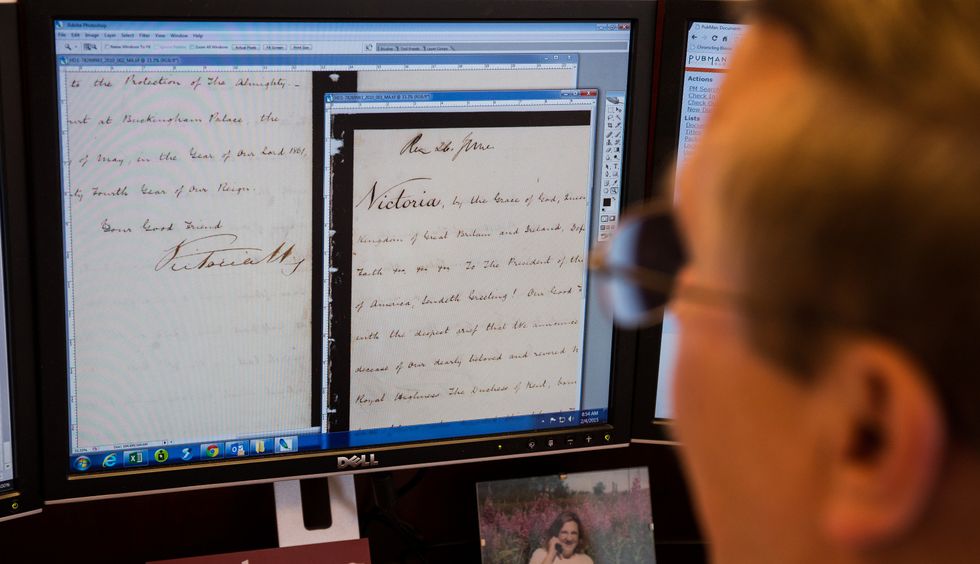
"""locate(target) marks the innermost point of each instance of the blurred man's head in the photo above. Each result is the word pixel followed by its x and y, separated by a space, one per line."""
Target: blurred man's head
pixel 836 190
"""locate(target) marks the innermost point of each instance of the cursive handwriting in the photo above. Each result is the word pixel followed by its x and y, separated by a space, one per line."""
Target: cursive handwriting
pixel 401 199
pixel 414 146
pixel 218 251
pixel 480 299
pixel 188 194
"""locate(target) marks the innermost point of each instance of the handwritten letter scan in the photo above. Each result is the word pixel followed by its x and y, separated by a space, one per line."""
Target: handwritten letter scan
pixel 190 241
pixel 467 272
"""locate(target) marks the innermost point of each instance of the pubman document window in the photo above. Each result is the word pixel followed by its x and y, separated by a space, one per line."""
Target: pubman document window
pixel 709 47
pixel 289 237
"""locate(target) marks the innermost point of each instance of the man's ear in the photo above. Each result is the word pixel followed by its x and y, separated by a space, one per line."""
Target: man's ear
pixel 887 443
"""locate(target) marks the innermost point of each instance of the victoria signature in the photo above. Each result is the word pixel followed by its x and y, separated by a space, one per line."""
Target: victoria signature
pixel 220 250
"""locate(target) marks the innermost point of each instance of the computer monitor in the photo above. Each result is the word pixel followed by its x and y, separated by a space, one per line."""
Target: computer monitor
pixel 298 239
pixel 697 36
pixel 19 474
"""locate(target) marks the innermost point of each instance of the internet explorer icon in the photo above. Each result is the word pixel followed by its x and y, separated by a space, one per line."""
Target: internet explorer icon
pixel 110 460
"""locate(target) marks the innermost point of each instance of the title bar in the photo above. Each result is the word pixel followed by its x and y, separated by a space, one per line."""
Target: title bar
pixel 463 96
pixel 339 26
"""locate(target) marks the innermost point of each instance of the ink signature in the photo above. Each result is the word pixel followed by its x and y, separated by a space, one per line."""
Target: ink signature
pixel 220 251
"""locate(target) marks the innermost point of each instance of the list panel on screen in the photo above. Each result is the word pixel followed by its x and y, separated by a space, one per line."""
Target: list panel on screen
pixel 291 237
pixel 709 47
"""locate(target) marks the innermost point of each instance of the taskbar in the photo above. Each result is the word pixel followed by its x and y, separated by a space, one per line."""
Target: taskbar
pixel 197 452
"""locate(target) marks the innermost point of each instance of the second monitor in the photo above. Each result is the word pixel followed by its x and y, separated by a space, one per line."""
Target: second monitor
pixel 698 39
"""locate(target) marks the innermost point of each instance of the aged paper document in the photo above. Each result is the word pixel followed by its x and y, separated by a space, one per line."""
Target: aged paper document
pixel 189 237
pixel 467 271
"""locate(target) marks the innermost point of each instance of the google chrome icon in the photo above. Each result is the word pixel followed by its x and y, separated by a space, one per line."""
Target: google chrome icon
pixel 211 451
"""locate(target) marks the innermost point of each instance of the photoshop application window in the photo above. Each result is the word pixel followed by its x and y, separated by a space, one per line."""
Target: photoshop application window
pixel 295 237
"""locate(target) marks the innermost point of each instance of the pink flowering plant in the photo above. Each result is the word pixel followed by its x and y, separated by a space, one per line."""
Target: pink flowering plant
pixel 614 507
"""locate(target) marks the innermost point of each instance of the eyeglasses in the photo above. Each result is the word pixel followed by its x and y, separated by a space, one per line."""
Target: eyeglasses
pixel 637 269
pixel 638 266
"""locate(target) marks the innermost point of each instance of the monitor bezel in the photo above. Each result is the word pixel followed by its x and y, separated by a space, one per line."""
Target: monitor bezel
pixel 38 25
pixel 24 498
pixel 678 15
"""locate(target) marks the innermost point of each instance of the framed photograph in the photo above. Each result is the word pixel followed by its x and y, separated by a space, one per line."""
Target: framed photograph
pixel 584 518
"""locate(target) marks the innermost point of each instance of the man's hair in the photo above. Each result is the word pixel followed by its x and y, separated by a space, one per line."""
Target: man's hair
pixel 857 211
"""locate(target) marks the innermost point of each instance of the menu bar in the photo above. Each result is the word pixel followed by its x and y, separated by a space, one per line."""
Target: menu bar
pixel 74 37
pixel 192 27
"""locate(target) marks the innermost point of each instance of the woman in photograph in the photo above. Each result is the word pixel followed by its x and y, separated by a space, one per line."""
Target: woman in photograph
pixel 566 542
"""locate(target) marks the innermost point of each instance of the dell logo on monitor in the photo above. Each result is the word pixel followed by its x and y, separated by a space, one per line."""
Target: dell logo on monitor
pixel 356 461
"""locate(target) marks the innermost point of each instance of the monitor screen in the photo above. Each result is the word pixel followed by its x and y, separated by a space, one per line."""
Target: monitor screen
pixel 288 239
pixel 6 413
pixel 6 423
pixel 19 475
pixel 709 46
pixel 10 488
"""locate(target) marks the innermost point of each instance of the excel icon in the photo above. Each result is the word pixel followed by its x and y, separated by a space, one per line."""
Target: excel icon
pixel 135 458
